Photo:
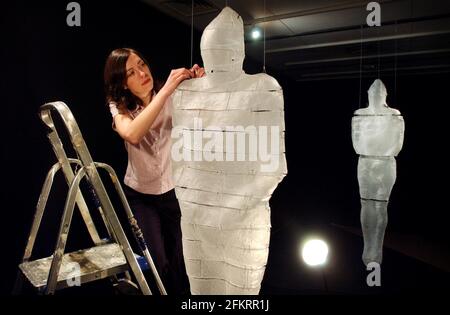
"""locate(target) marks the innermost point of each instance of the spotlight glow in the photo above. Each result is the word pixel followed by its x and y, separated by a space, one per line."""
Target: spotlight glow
pixel 315 252
pixel 256 33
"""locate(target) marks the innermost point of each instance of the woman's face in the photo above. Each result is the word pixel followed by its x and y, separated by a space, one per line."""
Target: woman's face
pixel 138 77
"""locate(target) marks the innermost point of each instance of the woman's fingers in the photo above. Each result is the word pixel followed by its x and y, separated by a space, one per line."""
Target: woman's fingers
pixel 178 76
pixel 200 72
pixel 195 68
pixel 184 71
pixel 186 74
pixel 197 71
pixel 176 72
pixel 183 74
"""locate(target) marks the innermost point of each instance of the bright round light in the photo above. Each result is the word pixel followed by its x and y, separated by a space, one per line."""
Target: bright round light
pixel 315 252
pixel 256 33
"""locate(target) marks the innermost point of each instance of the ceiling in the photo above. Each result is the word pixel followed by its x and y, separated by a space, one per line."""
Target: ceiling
pixel 329 39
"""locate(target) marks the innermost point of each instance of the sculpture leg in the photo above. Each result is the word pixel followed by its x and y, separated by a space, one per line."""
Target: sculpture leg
pixel 376 177
pixel 373 222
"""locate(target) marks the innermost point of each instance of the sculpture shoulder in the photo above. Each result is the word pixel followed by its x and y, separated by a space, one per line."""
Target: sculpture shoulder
pixel 370 112
pixel 192 84
pixel 266 82
pixel 361 112
pixel 395 111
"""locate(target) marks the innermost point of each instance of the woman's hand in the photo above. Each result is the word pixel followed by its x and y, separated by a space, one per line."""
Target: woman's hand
pixel 197 71
pixel 176 76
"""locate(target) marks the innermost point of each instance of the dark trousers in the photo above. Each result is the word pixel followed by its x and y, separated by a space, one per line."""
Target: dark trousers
pixel 159 216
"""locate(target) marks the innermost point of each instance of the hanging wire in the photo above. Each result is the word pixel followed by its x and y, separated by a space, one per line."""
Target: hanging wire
pixel 192 32
pixel 395 66
pixel 360 65
pixel 264 39
pixel 379 51
pixel 226 3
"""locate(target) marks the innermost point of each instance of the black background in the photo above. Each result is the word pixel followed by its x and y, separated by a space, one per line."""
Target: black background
pixel 44 60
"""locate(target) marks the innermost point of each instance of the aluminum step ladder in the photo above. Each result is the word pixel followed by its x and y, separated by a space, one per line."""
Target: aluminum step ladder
pixel 109 257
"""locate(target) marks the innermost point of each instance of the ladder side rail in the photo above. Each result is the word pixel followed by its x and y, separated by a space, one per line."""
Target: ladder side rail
pixel 40 208
pixel 63 232
pixel 68 172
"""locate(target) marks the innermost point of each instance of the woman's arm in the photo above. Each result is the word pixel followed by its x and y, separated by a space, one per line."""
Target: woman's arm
pixel 133 130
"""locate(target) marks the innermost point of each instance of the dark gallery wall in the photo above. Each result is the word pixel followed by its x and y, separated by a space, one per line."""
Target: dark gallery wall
pixel 45 60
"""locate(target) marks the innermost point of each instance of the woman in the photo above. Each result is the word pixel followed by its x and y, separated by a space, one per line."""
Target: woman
pixel 141 116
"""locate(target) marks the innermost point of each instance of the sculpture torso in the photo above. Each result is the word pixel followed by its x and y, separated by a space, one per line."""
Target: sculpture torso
pixel 377 130
pixel 377 135
pixel 244 101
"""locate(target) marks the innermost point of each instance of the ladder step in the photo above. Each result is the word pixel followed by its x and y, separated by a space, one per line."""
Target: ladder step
pixel 94 263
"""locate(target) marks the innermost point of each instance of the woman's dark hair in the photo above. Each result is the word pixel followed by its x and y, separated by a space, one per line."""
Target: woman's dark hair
pixel 115 78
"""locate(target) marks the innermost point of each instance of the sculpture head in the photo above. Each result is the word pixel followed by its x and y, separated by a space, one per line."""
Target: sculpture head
pixel 377 94
pixel 222 43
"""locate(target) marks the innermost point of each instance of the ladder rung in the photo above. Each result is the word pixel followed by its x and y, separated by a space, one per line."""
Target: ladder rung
pixel 95 263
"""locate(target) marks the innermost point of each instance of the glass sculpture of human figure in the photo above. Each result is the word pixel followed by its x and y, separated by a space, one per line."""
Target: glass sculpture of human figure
pixel 377 135
pixel 228 158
